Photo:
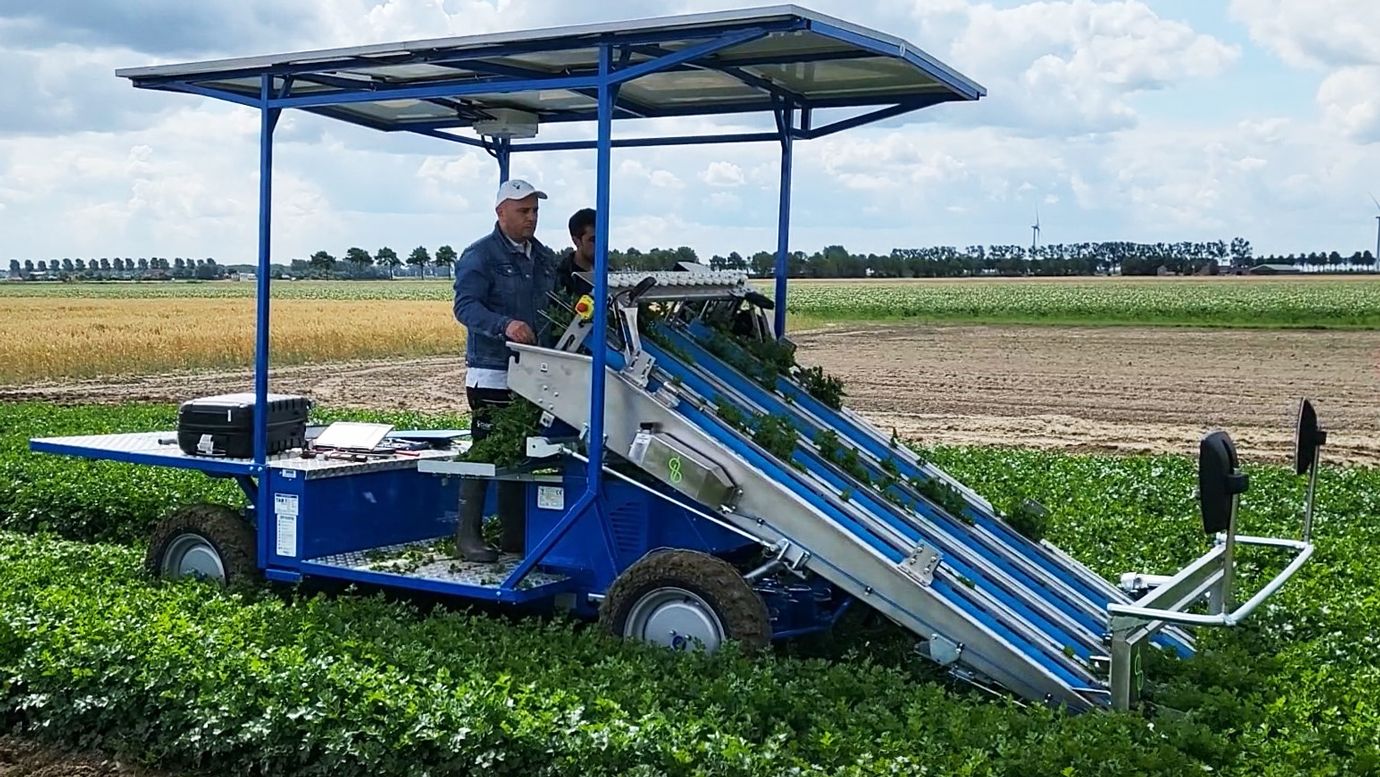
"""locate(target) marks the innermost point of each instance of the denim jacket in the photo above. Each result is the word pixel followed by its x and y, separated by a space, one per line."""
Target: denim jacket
pixel 495 284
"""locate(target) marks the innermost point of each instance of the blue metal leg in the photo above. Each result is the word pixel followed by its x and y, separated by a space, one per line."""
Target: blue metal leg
pixel 268 121
pixel 583 505
pixel 595 470
pixel 249 487
pixel 785 118
pixel 503 152
pixel 589 501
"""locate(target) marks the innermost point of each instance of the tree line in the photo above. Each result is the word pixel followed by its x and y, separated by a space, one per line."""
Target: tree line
pixel 1058 259
pixel 118 268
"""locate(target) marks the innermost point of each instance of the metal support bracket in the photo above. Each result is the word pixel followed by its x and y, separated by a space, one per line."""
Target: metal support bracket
pixel 920 564
pixel 942 650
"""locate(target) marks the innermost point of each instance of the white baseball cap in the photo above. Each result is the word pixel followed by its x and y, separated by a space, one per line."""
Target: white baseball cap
pixel 517 189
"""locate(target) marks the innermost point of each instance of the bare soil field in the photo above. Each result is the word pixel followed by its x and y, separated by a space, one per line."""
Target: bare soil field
pixel 1077 389
pixel 26 758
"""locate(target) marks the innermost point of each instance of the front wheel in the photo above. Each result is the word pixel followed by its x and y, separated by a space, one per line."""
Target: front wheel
pixel 211 542
pixel 684 599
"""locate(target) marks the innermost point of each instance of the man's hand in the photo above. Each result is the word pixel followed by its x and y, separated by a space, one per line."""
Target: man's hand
pixel 520 332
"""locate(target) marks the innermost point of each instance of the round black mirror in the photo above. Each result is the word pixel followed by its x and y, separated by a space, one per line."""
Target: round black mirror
pixel 1308 437
pixel 1219 481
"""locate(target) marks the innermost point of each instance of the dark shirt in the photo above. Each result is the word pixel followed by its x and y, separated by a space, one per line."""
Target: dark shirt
pixel 566 279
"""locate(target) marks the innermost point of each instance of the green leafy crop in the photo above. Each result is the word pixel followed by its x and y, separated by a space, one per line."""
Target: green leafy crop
pixel 506 443
pixel 189 679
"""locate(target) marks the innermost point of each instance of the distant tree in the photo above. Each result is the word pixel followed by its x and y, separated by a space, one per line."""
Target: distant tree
pixel 1240 252
pixel 43 266
pixel 119 264
pixel 359 257
pixel 387 257
pixel 143 264
pixel 321 263
pixel 445 257
pixel 105 264
pixel 14 268
pixel 67 265
pixel 81 265
pixel 762 263
pixel 419 258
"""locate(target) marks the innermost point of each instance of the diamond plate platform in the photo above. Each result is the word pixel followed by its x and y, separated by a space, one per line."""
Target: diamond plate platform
pixel 423 560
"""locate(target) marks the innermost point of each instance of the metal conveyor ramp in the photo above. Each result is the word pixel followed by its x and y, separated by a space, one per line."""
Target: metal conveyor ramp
pixel 974 614
pixel 759 446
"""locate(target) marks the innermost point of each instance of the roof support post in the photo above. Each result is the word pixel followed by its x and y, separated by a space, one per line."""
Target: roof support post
pixel 785 119
pixel 590 502
pixel 608 95
pixel 268 121
pixel 503 152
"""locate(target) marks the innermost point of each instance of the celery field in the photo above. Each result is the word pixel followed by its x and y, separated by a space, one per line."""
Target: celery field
pixel 297 682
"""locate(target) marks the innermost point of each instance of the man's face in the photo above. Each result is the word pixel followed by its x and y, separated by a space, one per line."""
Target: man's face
pixel 518 218
pixel 584 246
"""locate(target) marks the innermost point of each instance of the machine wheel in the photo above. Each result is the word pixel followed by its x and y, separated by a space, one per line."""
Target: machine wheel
pixel 209 541
pixel 678 598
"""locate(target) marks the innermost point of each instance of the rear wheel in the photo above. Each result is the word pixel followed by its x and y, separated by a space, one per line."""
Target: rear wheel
pixel 211 542
pixel 685 599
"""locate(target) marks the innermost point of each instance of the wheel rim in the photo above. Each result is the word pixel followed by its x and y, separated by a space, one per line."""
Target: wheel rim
pixel 675 618
pixel 191 555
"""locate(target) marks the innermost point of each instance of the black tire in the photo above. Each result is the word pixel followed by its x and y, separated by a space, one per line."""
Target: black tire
pixel 739 609
pixel 220 530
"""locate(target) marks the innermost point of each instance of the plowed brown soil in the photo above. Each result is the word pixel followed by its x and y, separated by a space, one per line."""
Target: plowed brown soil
pixel 1068 388
pixel 25 758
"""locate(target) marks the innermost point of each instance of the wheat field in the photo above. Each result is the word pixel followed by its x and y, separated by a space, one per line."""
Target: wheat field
pixel 98 337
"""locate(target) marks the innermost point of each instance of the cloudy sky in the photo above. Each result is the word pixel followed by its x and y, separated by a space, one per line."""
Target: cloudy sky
pixel 1139 120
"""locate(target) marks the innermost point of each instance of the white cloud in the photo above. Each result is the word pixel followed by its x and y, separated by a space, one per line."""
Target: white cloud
pixel 1336 37
pixel 723 174
pixel 1069 67
pixel 657 178
pixel 1066 126
pixel 1350 102
pixel 1314 33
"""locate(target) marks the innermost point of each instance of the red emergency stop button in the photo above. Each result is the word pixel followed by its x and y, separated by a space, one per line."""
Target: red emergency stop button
pixel 585 307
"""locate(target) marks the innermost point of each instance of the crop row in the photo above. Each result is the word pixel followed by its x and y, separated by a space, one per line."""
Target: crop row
pixel 1223 301
pixel 1234 302
pixel 91 653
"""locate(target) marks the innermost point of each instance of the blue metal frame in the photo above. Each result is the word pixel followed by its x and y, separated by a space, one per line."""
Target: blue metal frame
pixel 268 122
pixel 476 74
pixel 785 121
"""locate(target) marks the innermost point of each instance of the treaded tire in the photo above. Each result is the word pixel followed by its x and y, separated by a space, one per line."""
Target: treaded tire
pixel 221 527
pixel 740 610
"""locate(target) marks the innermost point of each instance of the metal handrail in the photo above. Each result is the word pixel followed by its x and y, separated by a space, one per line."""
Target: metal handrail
pixel 1305 551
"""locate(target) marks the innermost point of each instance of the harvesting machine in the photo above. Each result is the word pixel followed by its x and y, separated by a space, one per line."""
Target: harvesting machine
pixel 688 485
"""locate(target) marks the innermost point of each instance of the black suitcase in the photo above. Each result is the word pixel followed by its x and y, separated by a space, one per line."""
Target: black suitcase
pixel 224 425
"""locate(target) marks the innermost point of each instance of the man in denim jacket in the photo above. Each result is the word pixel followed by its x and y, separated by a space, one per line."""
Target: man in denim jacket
pixel 501 286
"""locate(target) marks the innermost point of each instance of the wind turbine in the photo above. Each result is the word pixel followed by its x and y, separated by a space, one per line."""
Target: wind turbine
pixel 1376 266
pixel 1035 229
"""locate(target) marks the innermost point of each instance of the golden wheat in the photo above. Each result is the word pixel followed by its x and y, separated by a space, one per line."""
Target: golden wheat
pixel 81 338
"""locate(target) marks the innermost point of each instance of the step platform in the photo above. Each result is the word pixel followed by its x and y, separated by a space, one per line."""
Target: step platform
pixel 428 565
